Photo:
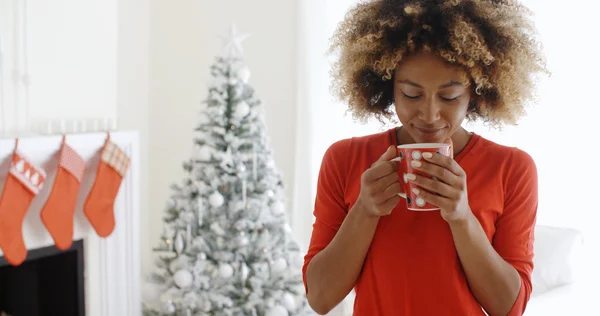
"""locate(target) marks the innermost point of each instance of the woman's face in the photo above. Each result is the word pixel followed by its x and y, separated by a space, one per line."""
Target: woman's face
pixel 430 96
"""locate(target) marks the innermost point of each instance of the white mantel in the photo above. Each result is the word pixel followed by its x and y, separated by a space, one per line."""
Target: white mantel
pixel 111 265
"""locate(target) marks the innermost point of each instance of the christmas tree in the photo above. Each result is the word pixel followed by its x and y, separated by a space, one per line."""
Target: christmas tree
pixel 227 248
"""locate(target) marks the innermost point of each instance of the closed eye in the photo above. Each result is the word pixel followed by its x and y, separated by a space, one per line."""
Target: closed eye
pixel 412 97
pixel 449 100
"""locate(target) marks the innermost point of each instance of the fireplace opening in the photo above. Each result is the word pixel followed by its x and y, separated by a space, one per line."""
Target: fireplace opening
pixel 49 282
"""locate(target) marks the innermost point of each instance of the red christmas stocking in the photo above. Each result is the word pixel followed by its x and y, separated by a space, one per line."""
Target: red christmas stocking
pixel 98 207
pixel 23 183
pixel 59 210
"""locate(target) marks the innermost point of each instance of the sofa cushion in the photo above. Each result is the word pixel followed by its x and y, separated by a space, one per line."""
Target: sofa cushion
pixel 556 257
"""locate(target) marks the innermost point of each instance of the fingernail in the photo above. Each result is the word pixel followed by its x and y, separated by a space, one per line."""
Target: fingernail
pixel 416 191
pixel 415 163
pixel 427 155
pixel 411 176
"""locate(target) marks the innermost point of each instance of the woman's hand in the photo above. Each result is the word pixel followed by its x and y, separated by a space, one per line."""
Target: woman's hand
pixel 449 191
pixel 379 186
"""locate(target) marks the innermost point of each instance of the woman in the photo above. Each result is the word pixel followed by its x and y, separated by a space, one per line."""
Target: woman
pixel 436 63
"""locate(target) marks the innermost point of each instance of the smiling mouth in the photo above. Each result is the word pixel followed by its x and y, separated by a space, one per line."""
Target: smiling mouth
pixel 428 130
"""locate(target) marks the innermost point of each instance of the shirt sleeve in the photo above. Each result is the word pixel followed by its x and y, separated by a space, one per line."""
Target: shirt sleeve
pixel 330 208
pixel 514 235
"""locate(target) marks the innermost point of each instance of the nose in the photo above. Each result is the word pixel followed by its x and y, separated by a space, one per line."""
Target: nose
pixel 429 112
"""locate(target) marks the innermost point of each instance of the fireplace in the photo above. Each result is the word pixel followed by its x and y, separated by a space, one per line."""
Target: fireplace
pixel 111 265
pixel 49 282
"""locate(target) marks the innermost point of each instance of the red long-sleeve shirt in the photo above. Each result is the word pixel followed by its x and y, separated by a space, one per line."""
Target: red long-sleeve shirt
pixel 412 267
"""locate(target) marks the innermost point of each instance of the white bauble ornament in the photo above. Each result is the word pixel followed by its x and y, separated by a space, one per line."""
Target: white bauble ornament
pixel 244 271
pixel 203 153
pixel 202 256
pixel 171 203
pixel 217 229
pixel 288 301
pixel 244 74
pixel 243 241
pixel 216 199
pixel 287 228
pixel 277 310
pixel 232 81
pixel 183 279
pixel 270 193
pixel 241 110
pixel 188 217
pixel 207 306
pixel 239 206
pixel 168 308
pixel 179 243
pixel 241 168
pixel 225 270
pixel 278 208
pixel 176 265
pixel 279 265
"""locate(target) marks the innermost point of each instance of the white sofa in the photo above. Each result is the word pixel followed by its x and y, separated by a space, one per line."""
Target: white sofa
pixel 565 277
pixel 565 282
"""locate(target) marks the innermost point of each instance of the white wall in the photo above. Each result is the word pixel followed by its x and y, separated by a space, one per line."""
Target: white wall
pixel 184 43
pixel 96 59
pixel 85 60
pixel 60 61
pixel 133 98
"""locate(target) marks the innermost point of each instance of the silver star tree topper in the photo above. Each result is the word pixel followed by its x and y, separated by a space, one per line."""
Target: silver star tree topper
pixel 233 43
